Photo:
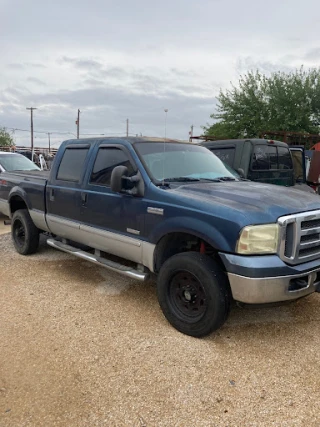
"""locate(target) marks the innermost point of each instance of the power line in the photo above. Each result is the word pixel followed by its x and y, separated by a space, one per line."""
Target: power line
pixel 38 131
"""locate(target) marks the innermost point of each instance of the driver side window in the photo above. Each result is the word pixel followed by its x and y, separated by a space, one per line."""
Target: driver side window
pixel 107 159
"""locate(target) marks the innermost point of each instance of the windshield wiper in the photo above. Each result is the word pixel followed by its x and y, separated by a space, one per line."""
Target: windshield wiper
pixel 227 178
pixel 211 179
pixel 181 179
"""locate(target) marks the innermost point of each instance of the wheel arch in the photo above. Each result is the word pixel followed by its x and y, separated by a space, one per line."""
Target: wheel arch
pixel 17 200
pixel 177 242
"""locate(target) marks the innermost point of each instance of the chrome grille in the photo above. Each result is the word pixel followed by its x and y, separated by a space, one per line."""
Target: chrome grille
pixel 300 237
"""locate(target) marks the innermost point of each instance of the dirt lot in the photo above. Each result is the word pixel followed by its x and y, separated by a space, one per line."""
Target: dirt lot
pixel 83 347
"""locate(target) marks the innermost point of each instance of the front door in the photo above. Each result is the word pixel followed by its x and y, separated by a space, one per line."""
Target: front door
pixel 111 222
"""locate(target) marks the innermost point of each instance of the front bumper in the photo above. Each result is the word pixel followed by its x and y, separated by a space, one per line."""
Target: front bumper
pixel 276 282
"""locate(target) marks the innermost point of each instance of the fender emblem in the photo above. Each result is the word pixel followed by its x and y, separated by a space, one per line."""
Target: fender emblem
pixel 156 211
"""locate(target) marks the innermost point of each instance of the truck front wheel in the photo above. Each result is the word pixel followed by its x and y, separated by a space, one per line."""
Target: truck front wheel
pixel 25 234
pixel 194 293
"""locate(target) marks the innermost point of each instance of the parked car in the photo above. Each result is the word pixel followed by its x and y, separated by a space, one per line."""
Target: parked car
pixel 140 206
pixel 16 162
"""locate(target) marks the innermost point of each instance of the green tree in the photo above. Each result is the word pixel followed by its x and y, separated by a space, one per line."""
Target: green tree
pixel 280 102
pixel 6 139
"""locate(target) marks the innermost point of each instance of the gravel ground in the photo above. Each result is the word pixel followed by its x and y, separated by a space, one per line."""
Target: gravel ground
pixel 84 347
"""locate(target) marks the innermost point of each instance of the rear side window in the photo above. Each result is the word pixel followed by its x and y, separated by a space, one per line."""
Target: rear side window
pixel 107 159
pixel 225 154
pixel 72 162
pixel 266 157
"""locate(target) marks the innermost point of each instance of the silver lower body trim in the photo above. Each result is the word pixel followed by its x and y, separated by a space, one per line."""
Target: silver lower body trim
pixel 135 250
pixel 271 289
pixel 39 219
pixel 4 207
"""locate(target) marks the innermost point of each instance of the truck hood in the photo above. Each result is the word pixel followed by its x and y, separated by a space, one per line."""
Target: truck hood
pixel 259 203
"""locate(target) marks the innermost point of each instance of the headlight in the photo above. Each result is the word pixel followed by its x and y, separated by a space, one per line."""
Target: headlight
pixel 258 239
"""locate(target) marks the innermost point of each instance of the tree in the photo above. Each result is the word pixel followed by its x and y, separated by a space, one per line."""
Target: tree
pixel 6 139
pixel 280 102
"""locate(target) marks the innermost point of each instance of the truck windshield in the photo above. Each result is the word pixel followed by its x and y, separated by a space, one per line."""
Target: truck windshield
pixel 180 161
pixel 16 162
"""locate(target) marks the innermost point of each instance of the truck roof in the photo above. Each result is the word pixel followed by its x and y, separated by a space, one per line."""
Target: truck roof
pixel 130 139
pixel 254 141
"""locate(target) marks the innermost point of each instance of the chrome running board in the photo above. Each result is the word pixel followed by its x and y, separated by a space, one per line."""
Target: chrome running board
pixel 102 262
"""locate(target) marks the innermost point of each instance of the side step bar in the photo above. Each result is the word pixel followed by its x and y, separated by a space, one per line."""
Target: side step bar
pixel 102 262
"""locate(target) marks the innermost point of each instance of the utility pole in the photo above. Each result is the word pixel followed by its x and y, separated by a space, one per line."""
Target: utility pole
pixel 49 133
pixel 127 127
pixel 78 124
pixel 32 148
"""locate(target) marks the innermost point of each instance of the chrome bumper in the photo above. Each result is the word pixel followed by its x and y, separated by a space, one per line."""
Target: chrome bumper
pixel 274 289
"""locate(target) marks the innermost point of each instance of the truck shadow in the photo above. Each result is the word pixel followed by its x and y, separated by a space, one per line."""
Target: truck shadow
pixel 262 323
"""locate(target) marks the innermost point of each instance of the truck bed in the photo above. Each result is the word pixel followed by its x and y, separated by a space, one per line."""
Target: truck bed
pixel 30 184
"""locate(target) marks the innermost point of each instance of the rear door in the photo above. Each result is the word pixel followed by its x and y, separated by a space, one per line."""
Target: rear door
pixel 63 193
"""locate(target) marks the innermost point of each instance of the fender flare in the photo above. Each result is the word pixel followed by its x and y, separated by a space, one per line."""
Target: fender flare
pixel 193 226
pixel 19 192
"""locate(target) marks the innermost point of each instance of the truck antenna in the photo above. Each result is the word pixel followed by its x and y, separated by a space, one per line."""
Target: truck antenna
pixel 164 143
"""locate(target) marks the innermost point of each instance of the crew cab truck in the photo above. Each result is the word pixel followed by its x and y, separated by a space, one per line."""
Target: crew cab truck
pixel 142 206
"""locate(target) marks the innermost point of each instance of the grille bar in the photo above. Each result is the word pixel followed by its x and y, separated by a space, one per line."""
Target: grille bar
pixel 306 245
pixel 300 237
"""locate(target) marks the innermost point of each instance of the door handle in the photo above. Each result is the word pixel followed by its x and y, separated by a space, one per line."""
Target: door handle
pixel 51 196
pixel 84 197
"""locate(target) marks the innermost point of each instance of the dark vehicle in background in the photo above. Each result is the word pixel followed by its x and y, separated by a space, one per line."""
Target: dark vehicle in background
pixel 143 207
pixel 263 160
pixel 16 162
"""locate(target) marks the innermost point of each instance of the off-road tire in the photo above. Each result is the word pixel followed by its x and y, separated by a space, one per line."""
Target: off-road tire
pixel 194 293
pixel 25 234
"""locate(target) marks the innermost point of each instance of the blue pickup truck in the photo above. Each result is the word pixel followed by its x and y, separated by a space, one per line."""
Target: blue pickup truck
pixel 142 206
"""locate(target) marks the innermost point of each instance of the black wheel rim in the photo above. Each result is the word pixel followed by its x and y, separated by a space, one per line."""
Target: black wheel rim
pixel 187 296
pixel 19 233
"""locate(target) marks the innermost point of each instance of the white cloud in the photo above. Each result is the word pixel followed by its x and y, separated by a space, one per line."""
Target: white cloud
pixel 122 59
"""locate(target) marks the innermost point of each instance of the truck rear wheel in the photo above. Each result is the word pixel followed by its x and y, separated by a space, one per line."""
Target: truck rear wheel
pixel 25 234
pixel 194 293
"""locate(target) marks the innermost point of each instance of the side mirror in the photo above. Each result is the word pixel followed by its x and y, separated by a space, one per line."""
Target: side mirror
pixel 119 177
pixel 241 172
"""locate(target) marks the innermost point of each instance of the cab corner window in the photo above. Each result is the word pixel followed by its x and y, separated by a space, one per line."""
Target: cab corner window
pixel 107 159
pixel 71 166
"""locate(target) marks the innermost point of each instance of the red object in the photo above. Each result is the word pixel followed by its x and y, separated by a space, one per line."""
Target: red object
pixel 202 248
pixel 314 171
pixel 316 147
